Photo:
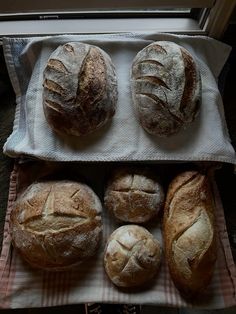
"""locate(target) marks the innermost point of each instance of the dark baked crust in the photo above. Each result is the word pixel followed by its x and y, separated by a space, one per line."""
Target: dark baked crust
pixel 80 89
pixel 166 88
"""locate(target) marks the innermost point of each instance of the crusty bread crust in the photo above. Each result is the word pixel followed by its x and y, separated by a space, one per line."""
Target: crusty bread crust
pixel 56 224
pixel 133 195
pixel 189 232
pixel 132 256
pixel 80 89
pixel 166 88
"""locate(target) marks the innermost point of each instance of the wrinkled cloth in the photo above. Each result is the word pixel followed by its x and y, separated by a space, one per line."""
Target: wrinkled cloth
pixel 123 139
pixel 22 286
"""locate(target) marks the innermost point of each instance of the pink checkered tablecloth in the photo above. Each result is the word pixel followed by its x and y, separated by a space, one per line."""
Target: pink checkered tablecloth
pixel 23 287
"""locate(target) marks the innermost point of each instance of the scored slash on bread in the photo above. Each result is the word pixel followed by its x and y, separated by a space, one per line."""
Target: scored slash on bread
pixel 80 89
pixel 56 224
pixel 132 256
pixel 189 232
pixel 133 195
pixel 166 88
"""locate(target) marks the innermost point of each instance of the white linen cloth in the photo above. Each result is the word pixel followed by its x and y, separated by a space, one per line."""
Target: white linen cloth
pixel 123 139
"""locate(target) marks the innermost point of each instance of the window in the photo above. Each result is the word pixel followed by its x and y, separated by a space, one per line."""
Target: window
pixel 25 17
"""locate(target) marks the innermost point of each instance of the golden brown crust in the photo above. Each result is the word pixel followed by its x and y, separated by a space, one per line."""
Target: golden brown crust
pixel 189 232
pixel 80 89
pixel 132 256
pixel 56 224
pixel 133 195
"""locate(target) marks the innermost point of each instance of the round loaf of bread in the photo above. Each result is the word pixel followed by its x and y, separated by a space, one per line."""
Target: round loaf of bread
pixel 133 195
pixel 132 256
pixel 80 89
pixel 56 224
pixel 166 88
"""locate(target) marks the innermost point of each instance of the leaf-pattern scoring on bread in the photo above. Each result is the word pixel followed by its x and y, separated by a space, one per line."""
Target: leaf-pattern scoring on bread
pixel 80 89
pixel 189 232
pixel 166 88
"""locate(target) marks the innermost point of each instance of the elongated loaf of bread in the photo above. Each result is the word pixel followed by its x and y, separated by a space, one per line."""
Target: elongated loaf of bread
pixel 166 88
pixel 189 232
pixel 56 225
pixel 80 89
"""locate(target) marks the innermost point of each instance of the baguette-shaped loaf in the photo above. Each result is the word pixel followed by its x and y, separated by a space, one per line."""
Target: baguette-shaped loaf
pixel 166 88
pixel 80 89
pixel 189 232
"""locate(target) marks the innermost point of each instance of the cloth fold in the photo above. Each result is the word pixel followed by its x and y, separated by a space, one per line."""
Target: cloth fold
pixel 206 139
pixel 23 287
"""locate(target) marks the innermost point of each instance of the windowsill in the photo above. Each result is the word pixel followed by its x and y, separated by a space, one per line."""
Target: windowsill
pixel 47 27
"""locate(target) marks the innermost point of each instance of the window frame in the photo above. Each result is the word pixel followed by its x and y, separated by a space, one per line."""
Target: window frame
pixel 210 21
pixel 13 6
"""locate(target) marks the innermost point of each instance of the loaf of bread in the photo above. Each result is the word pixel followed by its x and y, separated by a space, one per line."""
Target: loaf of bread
pixel 132 256
pixel 133 195
pixel 166 88
pixel 55 225
pixel 189 232
pixel 80 89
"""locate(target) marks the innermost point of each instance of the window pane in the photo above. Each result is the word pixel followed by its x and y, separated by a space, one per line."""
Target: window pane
pixel 21 6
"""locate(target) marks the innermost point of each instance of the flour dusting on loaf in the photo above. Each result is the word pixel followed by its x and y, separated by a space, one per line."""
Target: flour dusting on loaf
pixel 166 88
pixel 189 232
pixel 133 195
pixel 132 256
pixel 56 224
pixel 80 89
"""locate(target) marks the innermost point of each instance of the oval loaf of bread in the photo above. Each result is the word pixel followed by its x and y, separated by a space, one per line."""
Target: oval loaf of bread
pixel 132 256
pixel 166 88
pixel 55 225
pixel 80 89
pixel 189 232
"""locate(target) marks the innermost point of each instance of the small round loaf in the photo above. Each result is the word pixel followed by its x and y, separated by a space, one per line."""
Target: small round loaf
pixel 80 89
pixel 55 225
pixel 132 256
pixel 166 88
pixel 133 195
